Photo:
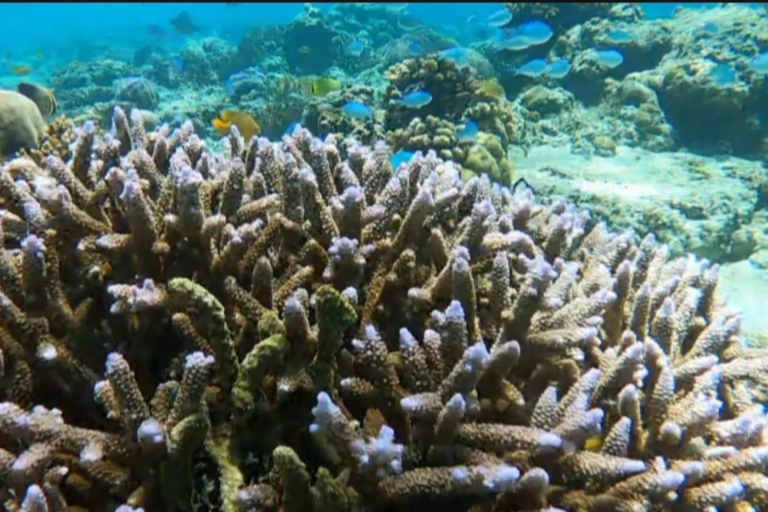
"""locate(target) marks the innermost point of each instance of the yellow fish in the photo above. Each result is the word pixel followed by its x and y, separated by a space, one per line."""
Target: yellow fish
pixel 492 88
pixel 246 124
pixel 319 86
pixel 42 96
pixel 305 50
pixel 21 70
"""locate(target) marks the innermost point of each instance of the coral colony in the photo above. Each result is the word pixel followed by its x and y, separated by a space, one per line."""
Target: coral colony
pixel 297 327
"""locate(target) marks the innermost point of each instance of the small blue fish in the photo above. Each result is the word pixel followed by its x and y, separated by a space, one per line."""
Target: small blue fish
pixel 609 58
pixel 621 36
pixel 292 127
pixel 536 31
pixel 533 68
pixel 760 63
pixel 722 74
pixel 499 18
pixel 357 110
pixel 401 157
pixel 229 86
pixel 415 99
pixel 457 54
pixel 178 64
pixel 355 48
pixel 469 132
pixel 416 48
pixel 558 69
pixel 711 28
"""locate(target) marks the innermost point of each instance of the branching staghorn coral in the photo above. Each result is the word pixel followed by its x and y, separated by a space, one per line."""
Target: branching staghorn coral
pixel 324 334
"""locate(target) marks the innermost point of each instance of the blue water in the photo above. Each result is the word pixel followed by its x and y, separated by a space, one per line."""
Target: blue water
pixel 52 28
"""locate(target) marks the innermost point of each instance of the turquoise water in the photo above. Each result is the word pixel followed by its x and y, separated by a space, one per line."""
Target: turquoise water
pixel 55 28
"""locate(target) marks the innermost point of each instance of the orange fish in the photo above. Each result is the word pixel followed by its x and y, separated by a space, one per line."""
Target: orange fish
pixel 21 70
pixel 246 124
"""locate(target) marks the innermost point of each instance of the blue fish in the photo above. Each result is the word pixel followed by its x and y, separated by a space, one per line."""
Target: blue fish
pixel 558 69
pixel 533 68
pixel 416 48
pixel 536 31
pixel 229 86
pixel 469 132
pixel 499 18
pixel 355 48
pixel 415 99
pixel 178 64
pixel 292 127
pixel 457 54
pixel 401 157
pixel 722 74
pixel 609 58
pixel 711 28
pixel 621 36
pixel 357 110
pixel 760 63
pixel 515 43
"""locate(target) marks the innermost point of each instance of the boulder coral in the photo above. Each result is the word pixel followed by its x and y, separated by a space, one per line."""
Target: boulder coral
pixel 21 125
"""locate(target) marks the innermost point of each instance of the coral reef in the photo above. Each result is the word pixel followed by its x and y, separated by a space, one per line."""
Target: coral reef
pixel 21 125
pixel 209 60
pixel 309 43
pixel 137 92
pixel 293 327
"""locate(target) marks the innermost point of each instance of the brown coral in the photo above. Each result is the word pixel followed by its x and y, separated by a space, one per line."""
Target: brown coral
pixel 451 342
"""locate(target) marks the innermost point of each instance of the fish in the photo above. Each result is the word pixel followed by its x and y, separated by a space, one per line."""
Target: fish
pixel 609 58
pixel 536 32
pixel 357 110
pixel 711 28
pixel 760 63
pixel 183 24
pixel 157 31
pixel 22 70
pixel 401 157
pixel 41 96
pixel 499 18
pixel 621 36
pixel 304 50
pixel 310 86
pixel 292 127
pixel 178 64
pixel 722 74
pixel 416 48
pixel 533 68
pixel 457 54
pixel 415 99
pixel 515 43
pixel 558 69
pixel 246 124
pixel 469 132
pixel 492 88
pixel 354 48
pixel 39 54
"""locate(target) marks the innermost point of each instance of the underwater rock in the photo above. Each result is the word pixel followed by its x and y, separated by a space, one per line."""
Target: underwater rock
pixel 309 45
pixel 546 101
pixel 21 125
pixel 209 60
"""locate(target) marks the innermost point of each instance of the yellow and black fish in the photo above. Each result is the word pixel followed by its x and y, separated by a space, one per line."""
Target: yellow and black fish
pixel 319 86
pixel 42 96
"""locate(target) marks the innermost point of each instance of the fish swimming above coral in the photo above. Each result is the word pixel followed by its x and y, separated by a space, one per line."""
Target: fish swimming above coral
pixel 42 96
pixel 246 124
pixel 183 24
pixel 21 70
pixel 311 86
pixel 414 99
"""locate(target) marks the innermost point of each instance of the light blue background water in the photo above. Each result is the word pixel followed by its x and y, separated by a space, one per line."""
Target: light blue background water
pixel 57 28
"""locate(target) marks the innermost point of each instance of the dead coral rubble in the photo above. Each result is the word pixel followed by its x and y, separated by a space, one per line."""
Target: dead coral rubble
pixel 293 327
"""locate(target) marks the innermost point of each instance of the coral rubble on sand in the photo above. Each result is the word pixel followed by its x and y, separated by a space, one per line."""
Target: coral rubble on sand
pixel 297 327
